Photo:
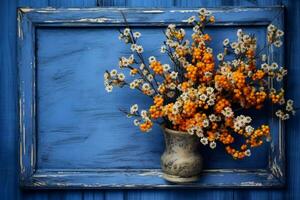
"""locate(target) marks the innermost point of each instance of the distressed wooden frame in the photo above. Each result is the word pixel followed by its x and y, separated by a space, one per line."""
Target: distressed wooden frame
pixel 31 177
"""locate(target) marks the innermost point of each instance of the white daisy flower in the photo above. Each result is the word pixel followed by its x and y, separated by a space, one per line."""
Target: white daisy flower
pixel 196 28
pixel 279 78
pixel 204 141
pixel 106 76
pixel 249 129
pixel 171 94
pixel 166 67
pixel 150 77
pixel 191 19
pixel 203 97
pixel 134 108
pixel 289 107
pixel 212 117
pixel 277 43
pixel 248 119
pixel 139 49
pixel 132 85
pixel 234 45
pixel 290 102
pixel 121 77
pixel 144 114
pixel 226 42
pixel 133 47
pixel 248 152
pixel 136 122
pixel 126 31
pixel 113 72
pixel 212 144
pixel 271 27
pixel 171 26
pixel 220 56
pixel 279 33
pixel 146 86
pixel 174 75
pixel 274 65
pixel 172 86
pixel 199 132
pixel 175 110
pixel 191 131
pixel 137 34
pixel 151 59
pixel 202 11
pixel 163 49
pixel 109 88
pixel 239 32
pixel 205 123
pixel 209 90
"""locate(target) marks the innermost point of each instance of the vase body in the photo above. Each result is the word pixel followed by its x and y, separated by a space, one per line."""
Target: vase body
pixel 181 162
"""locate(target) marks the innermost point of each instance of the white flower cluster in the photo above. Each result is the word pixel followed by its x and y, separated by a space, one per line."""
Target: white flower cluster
pixel 128 36
pixel 113 78
pixel 287 111
pixel 243 44
pixel 142 116
pixel 240 122
pixel 125 62
pixel 274 35
pixel 274 71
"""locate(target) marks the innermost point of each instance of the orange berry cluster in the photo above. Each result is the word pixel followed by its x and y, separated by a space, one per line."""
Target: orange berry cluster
pixel 157 67
pixel 276 97
pixel 156 109
pixel 146 126
pixel 221 104
pixel 255 138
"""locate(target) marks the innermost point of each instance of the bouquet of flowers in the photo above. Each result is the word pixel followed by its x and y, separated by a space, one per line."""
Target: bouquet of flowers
pixel 202 95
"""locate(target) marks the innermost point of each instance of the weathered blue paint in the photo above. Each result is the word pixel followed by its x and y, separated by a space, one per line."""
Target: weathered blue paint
pixel 63 106
pixel 8 105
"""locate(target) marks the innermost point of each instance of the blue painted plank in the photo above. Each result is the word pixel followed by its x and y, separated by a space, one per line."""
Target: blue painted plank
pixel 150 4
pixel 293 126
pixel 8 100
pixel 72 3
pixel 179 194
pixel 115 195
pixel 112 3
pixel 32 3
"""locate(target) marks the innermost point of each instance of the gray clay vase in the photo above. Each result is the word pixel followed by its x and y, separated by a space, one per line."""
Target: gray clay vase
pixel 181 161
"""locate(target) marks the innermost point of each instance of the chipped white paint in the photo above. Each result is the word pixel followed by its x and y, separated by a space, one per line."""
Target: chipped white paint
pixel 275 168
pixel 94 20
pixel 251 183
pixel 25 10
pixel 153 11
pixel 32 156
pixel 20 31
pixel 151 173
pixel 21 159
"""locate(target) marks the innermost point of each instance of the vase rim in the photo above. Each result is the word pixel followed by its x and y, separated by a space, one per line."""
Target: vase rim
pixel 173 131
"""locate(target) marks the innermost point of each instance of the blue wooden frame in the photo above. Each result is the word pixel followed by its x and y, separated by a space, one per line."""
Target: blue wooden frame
pixel 31 177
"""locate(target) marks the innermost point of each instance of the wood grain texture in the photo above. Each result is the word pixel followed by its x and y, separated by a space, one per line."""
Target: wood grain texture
pixel 72 3
pixel 9 189
pixel 8 99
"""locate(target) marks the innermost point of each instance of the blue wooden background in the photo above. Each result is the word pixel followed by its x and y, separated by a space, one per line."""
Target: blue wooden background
pixel 9 188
